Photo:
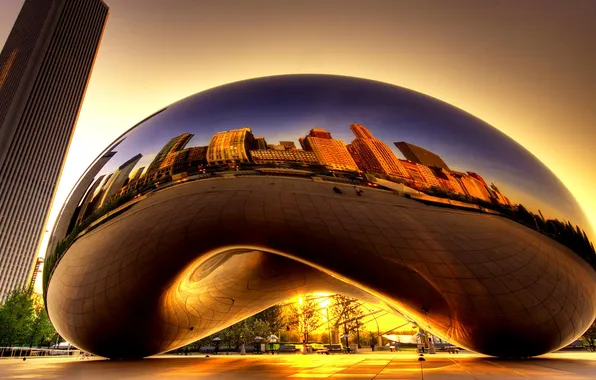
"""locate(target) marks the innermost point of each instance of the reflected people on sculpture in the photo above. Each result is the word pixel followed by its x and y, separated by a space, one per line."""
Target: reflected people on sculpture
pixel 426 191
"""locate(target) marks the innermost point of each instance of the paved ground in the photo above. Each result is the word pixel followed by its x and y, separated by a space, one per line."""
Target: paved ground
pixel 572 365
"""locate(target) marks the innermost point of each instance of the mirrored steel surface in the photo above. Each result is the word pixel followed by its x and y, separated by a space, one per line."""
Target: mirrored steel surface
pixel 242 196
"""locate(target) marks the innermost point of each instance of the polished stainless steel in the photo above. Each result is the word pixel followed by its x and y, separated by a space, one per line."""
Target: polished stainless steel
pixel 208 211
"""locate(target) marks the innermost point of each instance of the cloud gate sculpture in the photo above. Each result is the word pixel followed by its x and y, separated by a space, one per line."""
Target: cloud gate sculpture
pixel 242 196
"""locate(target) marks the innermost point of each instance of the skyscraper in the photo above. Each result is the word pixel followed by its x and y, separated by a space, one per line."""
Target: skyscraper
pixel 174 145
pixel 231 146
pixel 373 154
pixel 288 145
pixel 329 151
pixel 119 179
pixel 261 142
pixel 44 70
pixel 420 155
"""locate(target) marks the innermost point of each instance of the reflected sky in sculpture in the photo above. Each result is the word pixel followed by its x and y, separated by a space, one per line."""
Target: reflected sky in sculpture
pixel 287 107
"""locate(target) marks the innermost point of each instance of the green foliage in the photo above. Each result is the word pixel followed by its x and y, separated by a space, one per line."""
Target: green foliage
pixel 24 321
pixel 590 335
pixel 269 321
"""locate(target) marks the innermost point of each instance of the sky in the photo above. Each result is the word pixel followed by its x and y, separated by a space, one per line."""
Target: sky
pixel 526 68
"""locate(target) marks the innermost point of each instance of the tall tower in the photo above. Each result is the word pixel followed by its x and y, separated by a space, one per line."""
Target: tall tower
pixel 44 70
pixel 174 145
pixel 373 154
pixel 330 152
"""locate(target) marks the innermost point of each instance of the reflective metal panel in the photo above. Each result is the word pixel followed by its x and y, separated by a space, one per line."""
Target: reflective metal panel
pixel 236 198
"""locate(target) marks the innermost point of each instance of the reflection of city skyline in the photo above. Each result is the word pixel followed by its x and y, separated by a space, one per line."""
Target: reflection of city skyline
pixel 422 169
pixel 332 103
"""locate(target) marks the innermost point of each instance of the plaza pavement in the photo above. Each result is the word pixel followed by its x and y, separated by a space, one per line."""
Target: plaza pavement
pixel 402 365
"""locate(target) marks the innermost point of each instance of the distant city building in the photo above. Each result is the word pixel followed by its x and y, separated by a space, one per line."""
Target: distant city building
pixel 478 177
pixel 288 145
pixel 420 155
pixel 45 66
pixel 355 153
pixel 231 146
pixel 136 174
pixel 119 179
pixel 84 210
pixel 471 186
pixel 421 174
pixel 189 160
pixel 71 207
pixel 329 151
pixel 428 175
pixel 446 180
pixel 500 197
pixel 264 156
pixel 374 155
pixel 165 154
pixel 261 143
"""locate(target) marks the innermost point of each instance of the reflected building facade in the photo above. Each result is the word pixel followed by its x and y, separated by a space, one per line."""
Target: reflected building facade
pixel 165 156
pixel 230 147
pixel 373 154
pixel 330 152
pixel 283 156
pixel 420 155
pixel 214 234
pixel 44 70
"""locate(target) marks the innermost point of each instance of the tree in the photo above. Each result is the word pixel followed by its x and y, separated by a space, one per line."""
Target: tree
pixel 273 317
pixel 304 316
pixel 43 332
pixel 24 321
pixel 590 336
pixel 347 313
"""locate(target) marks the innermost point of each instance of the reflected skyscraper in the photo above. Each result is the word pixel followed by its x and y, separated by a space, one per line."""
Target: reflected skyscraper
pixel 374 155
pixel 261 142
pixel 174 145
pixel 119 178
pixel 330 152
pixel 44 70
pixel 420 155
pixel 231 146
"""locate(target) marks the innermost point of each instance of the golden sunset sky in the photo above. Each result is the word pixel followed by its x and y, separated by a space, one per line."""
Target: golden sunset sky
pixel 526 67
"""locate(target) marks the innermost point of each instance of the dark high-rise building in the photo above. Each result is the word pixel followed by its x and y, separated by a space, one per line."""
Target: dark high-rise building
pixel 44 70
pixel 288 145
pixel 261 142
pixel 420 155
pixel 174 145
